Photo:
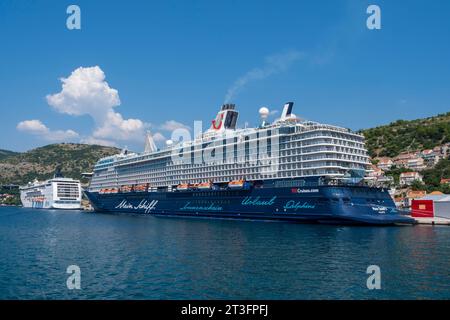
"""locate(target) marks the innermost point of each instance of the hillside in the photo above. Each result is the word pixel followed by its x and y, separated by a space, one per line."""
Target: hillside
pixel 432 178
pixel 391 139
pixel 5 153
pixel 40 163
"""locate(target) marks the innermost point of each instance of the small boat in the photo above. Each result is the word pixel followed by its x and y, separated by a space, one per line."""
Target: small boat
pixel 205 185
pixel 239 184
pixel 125 189
pixel 107 191
pixel 183 187
pixel 140 188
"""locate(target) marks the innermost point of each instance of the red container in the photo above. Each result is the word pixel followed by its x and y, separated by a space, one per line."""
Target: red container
pixel 422 209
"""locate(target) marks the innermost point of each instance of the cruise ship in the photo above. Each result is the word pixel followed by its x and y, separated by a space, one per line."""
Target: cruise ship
pixel 56 193
pixel 288 170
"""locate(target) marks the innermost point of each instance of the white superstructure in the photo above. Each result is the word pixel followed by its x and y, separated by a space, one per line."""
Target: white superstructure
pixel 285 149
pixel 56 193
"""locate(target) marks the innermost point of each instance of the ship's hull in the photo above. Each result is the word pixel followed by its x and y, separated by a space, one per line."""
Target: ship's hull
pixel 324 204
pixel 49 204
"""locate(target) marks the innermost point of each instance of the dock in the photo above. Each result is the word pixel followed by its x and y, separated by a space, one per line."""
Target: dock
pixel 433 221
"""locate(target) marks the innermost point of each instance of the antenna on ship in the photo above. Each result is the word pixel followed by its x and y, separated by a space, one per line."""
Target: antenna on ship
pixel 150 145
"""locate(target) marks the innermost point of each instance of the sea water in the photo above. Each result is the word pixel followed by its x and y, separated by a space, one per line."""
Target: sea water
pixel 145 257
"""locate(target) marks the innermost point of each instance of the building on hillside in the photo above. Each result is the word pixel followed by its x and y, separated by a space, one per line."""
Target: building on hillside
pixel 445 181
pixel 385 163
pixel 385 180
pixel 407 178
pixel 402 159
pixel 431 157
pixel 373 172
pixel 443 150
pixel 416 163
pixel 375 176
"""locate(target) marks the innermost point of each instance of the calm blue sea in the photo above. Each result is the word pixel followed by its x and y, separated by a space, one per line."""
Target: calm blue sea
pixel 143 257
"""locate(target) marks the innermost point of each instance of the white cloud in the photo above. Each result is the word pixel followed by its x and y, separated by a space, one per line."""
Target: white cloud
pixel 37 128
pixel 32 126
pixel 85 92
pixel 116 128
pixel 273 64
pixel 172 125
pixel 158 137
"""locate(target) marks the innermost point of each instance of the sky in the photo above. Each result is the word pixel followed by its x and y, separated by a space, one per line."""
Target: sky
pixel 159 65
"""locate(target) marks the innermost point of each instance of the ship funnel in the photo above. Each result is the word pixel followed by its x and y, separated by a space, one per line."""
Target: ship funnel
pixel 228 106
pixel 287 110
pixel 226 118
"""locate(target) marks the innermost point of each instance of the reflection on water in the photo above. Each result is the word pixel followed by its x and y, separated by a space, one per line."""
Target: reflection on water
pixel 138 257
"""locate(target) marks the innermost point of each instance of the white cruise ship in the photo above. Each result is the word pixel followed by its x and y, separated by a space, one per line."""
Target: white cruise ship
pixel 291 170
pixel 56 193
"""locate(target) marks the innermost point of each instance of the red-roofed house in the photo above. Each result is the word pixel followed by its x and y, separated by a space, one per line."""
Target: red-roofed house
pixel 431 157
pixel 385 163
pixel 407 178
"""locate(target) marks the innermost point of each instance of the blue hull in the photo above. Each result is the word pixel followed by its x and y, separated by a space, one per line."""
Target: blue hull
pixel 322 204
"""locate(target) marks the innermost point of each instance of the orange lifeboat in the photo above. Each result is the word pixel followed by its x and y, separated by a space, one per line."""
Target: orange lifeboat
pixel 238 184
pixel 125 189
pixel 141 188
pixel 205 185
pixel 183 187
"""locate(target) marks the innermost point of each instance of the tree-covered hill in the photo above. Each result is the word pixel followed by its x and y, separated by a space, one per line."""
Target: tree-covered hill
pixel 402 135
pixel 40 163
pixel 5 153
pixel 432 178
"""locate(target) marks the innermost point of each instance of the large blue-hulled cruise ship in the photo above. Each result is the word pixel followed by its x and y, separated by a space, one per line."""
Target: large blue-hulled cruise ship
pixel 290 170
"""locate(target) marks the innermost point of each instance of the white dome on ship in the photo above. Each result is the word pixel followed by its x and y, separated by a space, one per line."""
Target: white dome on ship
pixel 169 143
pixel 263 112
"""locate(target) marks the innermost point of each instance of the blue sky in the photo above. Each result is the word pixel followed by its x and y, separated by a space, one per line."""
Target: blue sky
pixel 173 62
